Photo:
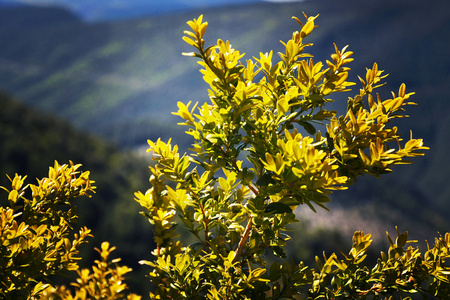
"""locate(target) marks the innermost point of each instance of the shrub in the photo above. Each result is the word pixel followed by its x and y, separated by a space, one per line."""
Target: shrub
pixel 36 240
pixel 258 154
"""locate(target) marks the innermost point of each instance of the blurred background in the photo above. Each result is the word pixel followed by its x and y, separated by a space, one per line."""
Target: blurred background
pixel 91 81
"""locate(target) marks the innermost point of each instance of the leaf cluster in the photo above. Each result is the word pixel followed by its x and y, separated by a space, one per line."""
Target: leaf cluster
pixel 37 240
pixel 258 154
pixel 402 271
pixel 105 281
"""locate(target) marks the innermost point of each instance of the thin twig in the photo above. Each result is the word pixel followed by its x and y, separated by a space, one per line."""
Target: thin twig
pixel 244 239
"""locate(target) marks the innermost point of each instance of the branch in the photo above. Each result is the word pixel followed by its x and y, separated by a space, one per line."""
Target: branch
pixel 244 239
pixel 254 189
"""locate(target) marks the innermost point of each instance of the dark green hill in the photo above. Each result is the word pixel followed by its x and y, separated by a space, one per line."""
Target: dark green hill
pixel 31 141
pixel 43 17
pixel 121 80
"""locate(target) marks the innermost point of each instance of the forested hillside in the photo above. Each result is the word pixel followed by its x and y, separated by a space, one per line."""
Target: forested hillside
pixel 106 10
pixel 121 80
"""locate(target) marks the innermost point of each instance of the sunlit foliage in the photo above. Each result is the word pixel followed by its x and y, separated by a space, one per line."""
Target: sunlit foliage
pixel 258 153
pixel 105 281
pixel 37 239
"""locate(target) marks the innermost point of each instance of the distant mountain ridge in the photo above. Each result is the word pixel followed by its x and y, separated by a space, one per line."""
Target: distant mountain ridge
pixel 105 10
pixel 26 16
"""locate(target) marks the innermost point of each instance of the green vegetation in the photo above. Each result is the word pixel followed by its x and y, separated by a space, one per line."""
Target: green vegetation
pixel 31 141
pixel 260 154
pixel 239 206
pixel 238 212
pixel 36 240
